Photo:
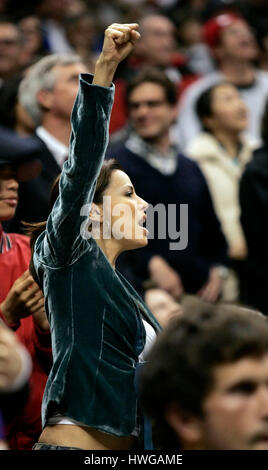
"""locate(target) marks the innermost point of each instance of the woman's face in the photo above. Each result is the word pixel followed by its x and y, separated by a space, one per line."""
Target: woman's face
pixel 229 112
pixel 124 213
pixel 31 29
pixel 8 192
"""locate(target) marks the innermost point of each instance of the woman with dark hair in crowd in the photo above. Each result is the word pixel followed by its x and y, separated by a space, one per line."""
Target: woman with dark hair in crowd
pixel 254 219
pixel 100 327
pixel 222 151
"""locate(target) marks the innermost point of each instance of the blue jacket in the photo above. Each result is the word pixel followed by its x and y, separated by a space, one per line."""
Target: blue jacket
pixel 94 313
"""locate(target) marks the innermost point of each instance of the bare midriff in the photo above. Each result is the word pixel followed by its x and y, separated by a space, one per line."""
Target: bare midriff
pixel 85 438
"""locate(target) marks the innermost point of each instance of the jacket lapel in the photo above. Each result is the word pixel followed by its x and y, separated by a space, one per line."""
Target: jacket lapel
pixel 145 312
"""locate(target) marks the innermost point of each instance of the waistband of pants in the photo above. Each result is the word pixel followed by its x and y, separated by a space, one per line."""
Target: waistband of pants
pixel 43 446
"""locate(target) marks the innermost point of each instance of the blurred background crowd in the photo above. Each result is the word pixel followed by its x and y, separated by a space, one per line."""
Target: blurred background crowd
pixel 189 125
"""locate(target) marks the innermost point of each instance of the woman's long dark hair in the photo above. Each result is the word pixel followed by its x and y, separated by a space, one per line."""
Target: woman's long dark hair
pixel 33 230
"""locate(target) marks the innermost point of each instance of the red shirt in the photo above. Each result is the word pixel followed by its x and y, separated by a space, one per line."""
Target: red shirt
pixel 15 256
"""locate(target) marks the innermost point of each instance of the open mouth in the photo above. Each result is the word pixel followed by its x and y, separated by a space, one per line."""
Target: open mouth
pixel 142 223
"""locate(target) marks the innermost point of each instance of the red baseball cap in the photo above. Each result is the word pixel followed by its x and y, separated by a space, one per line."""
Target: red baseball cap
pixel 213 28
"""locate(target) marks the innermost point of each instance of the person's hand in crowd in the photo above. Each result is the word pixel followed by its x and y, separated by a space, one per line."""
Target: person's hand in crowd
pixel 11 359
pixel 211 291
pixel 24 299
pixel 119 40
pixel 165 276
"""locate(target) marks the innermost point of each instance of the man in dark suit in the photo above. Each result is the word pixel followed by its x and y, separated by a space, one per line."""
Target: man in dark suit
pixel 47 93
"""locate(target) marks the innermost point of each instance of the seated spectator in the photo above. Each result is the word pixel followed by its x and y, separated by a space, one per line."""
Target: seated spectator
pixel 222 153
pixel 234 49
pixel 189 32
pixel 21 301
pixel 12 114
pixel 254 217
pixel 47 94
pixel 205 381
pixel 53 14
pixel 33 40
pixel 10 49
pixel 162 305
pixel 81 33
pixel 160 174
pixel 157 46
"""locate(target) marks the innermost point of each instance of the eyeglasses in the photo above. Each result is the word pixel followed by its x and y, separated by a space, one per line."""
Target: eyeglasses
pixel 9 42
pixel 149 103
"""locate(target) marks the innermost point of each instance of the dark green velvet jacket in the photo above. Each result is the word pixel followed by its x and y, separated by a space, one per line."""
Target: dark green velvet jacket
pixel 94 313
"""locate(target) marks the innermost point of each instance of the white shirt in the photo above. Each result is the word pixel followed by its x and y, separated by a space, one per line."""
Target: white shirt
pixel 58 149
pixel 165 164
pixel 150 338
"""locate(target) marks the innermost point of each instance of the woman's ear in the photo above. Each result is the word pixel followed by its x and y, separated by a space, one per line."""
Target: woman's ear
pixel 96 214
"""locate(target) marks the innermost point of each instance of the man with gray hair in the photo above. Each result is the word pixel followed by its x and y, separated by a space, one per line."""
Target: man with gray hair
pixel 47 93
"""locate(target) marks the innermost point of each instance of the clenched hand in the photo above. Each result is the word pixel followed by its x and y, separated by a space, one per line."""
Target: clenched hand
pixel 24 299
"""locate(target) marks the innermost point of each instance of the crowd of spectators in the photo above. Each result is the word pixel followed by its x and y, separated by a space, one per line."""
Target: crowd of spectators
pixel 190 127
